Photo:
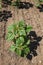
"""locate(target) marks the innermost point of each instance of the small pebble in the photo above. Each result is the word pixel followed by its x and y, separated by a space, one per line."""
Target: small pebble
pixel 40 61
pixel 12 12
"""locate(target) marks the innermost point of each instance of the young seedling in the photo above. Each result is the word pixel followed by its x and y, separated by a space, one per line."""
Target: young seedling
pixel 18 34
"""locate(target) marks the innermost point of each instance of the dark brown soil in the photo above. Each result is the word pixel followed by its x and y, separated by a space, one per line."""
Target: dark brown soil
pixel 32 16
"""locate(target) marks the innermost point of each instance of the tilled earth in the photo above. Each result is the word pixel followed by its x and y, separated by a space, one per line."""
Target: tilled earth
pixel 32 16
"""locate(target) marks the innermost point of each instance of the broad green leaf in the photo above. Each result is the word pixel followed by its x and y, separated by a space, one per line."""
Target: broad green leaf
pixel 13 28
pixel 26 50
pixel 28 42
pixel 16 34
pixel 12 48
pixel 10 36
pixel 16 26
pixel 18 51
pixel 10 28
pixel 19 41
pixel 38 4
pixel 24 46
pixel 28 28
pixel 22 32
pixel 22 23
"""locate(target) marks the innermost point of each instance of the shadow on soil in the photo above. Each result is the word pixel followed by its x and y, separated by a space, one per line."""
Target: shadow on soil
pixel 25 5
pixel 40 8
pixel 34 43
pixel 5 3
pixel 4 15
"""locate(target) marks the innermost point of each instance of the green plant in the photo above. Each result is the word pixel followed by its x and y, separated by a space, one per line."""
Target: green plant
pixel 38 2
pixel 18 34
pixel 16 3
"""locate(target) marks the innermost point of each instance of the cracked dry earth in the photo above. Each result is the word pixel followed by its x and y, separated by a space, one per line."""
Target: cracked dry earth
pixel 33 17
